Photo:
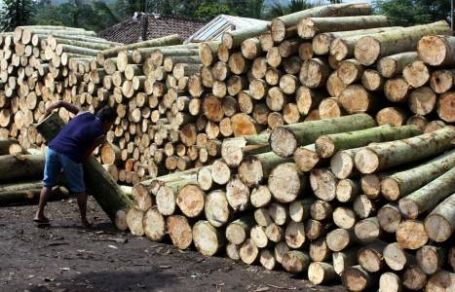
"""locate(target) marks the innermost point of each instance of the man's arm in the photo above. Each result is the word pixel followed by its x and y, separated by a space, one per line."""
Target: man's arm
pixel 100 140
pixel 68 106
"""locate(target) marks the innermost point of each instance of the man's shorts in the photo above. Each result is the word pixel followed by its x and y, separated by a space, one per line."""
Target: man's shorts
pixel 73 171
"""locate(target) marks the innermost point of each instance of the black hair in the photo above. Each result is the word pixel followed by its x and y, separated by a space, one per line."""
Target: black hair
pixel 106 114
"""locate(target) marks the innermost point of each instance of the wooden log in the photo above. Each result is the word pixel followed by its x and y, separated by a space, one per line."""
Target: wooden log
pixel 439 224
pixel 390 282
pixel 207 239
pixel 355 99
pixel 26 166
pixel 237 231
pixel 249 252
pixel 367 230
pixel 308 99
pixel 280 24
pixel 403 183
pixel 27 192
pixel 441 281
pixel 319 251
pixel 414 278
pixel 234 39
pixel 442 81
pixel 369 48
pixel 322 41
pixel 343 260
pixel 299 210
pixel 309 27
pixel 154 225
pixel 451 256
pixel 295 261
pixel 444 108
pixel 262 217
pixel 441 52
pixel 260 196
pixel 267 259
pixel 339 239
pixel 430 259
pixel 389 217
pixel 294 234
pixel 347 190
pixel 190 200
pixel 99 183
pixel 355 278
pixel 411 234
pixel 286 182
pixel 370 257
pixel 416 73
pixel 373 158
pixel 258 236
pixel 216 208
pixel 328 145
pixel 306 158
pixel 394 64
pixel 320 272
pixel 179 231
pixel 372 80
pixel 314 73
pixel 237 194
pixel 427 197
pixel 350 71
pixel 391 116
pixel 323 183
pixel 134 219
pixel 306 133
pixel 233 251
pixel 274 232
pixel 344 217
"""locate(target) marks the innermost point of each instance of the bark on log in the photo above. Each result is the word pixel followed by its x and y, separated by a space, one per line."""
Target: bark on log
pixel 394 64
pixel 369 48
pixel 388 154
pixel 306 133
pixel 23 166
pixel 440 223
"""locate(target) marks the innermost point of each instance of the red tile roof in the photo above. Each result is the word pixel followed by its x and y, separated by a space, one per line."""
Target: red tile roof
pixel 130 30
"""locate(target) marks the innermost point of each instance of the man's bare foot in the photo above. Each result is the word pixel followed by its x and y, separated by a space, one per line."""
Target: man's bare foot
pixel 41 219
pixel 86 223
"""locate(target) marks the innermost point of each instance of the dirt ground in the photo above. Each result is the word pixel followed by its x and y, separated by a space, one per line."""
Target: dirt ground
pixel 66 257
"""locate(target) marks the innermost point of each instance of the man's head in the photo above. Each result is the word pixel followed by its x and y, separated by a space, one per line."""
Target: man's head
pixel 106 116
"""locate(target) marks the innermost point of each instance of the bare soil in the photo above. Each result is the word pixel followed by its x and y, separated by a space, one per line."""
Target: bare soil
pixel 67 257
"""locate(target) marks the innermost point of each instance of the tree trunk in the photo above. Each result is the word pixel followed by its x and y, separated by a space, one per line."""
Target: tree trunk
pixel 306 133
pixel 239 230
pixel 25 192
pixel 440 223
pixel 179 230
pixel 416 74
pixel 430 258
pixel 216 208
pixel 389 154
pixel 295 261
pixel 280 24
pixel 429 196
pixel 309 27
pixel 321 42
pixel 437 50
pixel 320 272
pixel 328 145
pixel 394 64
pixel 369 48
pixel 402 183
pixel 207 239
pixel 389 217
pixel 23 166
pixel 411 234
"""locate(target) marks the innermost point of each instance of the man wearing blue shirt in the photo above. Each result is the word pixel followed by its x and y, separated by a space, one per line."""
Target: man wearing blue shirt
pixel 69 150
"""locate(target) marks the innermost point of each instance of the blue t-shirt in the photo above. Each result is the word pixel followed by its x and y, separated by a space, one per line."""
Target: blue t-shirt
pixel 75 138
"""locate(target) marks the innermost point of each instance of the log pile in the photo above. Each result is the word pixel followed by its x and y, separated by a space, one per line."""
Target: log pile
pixel 338 152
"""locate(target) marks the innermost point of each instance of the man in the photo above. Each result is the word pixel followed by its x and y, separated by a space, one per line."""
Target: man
pixel 69 150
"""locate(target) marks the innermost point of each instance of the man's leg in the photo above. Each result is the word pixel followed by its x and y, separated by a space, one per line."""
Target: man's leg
pixel 74 174
pixel 44 197
pixel 51 170
pixel 82 203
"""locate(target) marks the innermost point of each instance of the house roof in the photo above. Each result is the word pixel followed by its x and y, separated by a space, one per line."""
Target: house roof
pixel 130 30
pixel 214 29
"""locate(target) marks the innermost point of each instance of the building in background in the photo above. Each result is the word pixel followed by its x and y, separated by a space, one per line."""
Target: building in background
pixel 214 29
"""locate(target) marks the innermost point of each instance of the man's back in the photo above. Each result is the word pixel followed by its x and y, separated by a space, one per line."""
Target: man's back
pixel 78 136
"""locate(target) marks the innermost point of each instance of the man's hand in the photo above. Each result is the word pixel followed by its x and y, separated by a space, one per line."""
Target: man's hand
pixel 68 106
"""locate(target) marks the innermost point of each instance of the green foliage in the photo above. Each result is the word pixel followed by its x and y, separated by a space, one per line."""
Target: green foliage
pixel 16 13
pixel 278 9
pixel 410 12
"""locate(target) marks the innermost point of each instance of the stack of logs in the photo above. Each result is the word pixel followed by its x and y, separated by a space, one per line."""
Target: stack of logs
pixel 256 205
pixel 332 199
pixel 20 180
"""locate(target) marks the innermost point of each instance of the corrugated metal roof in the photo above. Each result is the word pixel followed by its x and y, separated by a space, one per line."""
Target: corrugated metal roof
pixel 222 23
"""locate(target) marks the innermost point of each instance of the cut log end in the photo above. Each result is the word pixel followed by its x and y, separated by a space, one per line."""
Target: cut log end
pixel 366 161
pixel 283 142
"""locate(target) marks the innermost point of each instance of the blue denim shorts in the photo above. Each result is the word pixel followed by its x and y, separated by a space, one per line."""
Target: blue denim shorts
pixel 73 171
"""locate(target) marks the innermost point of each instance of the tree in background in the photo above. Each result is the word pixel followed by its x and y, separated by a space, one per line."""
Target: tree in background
pixel 410 12
pixel 16 13
pixel 278 9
